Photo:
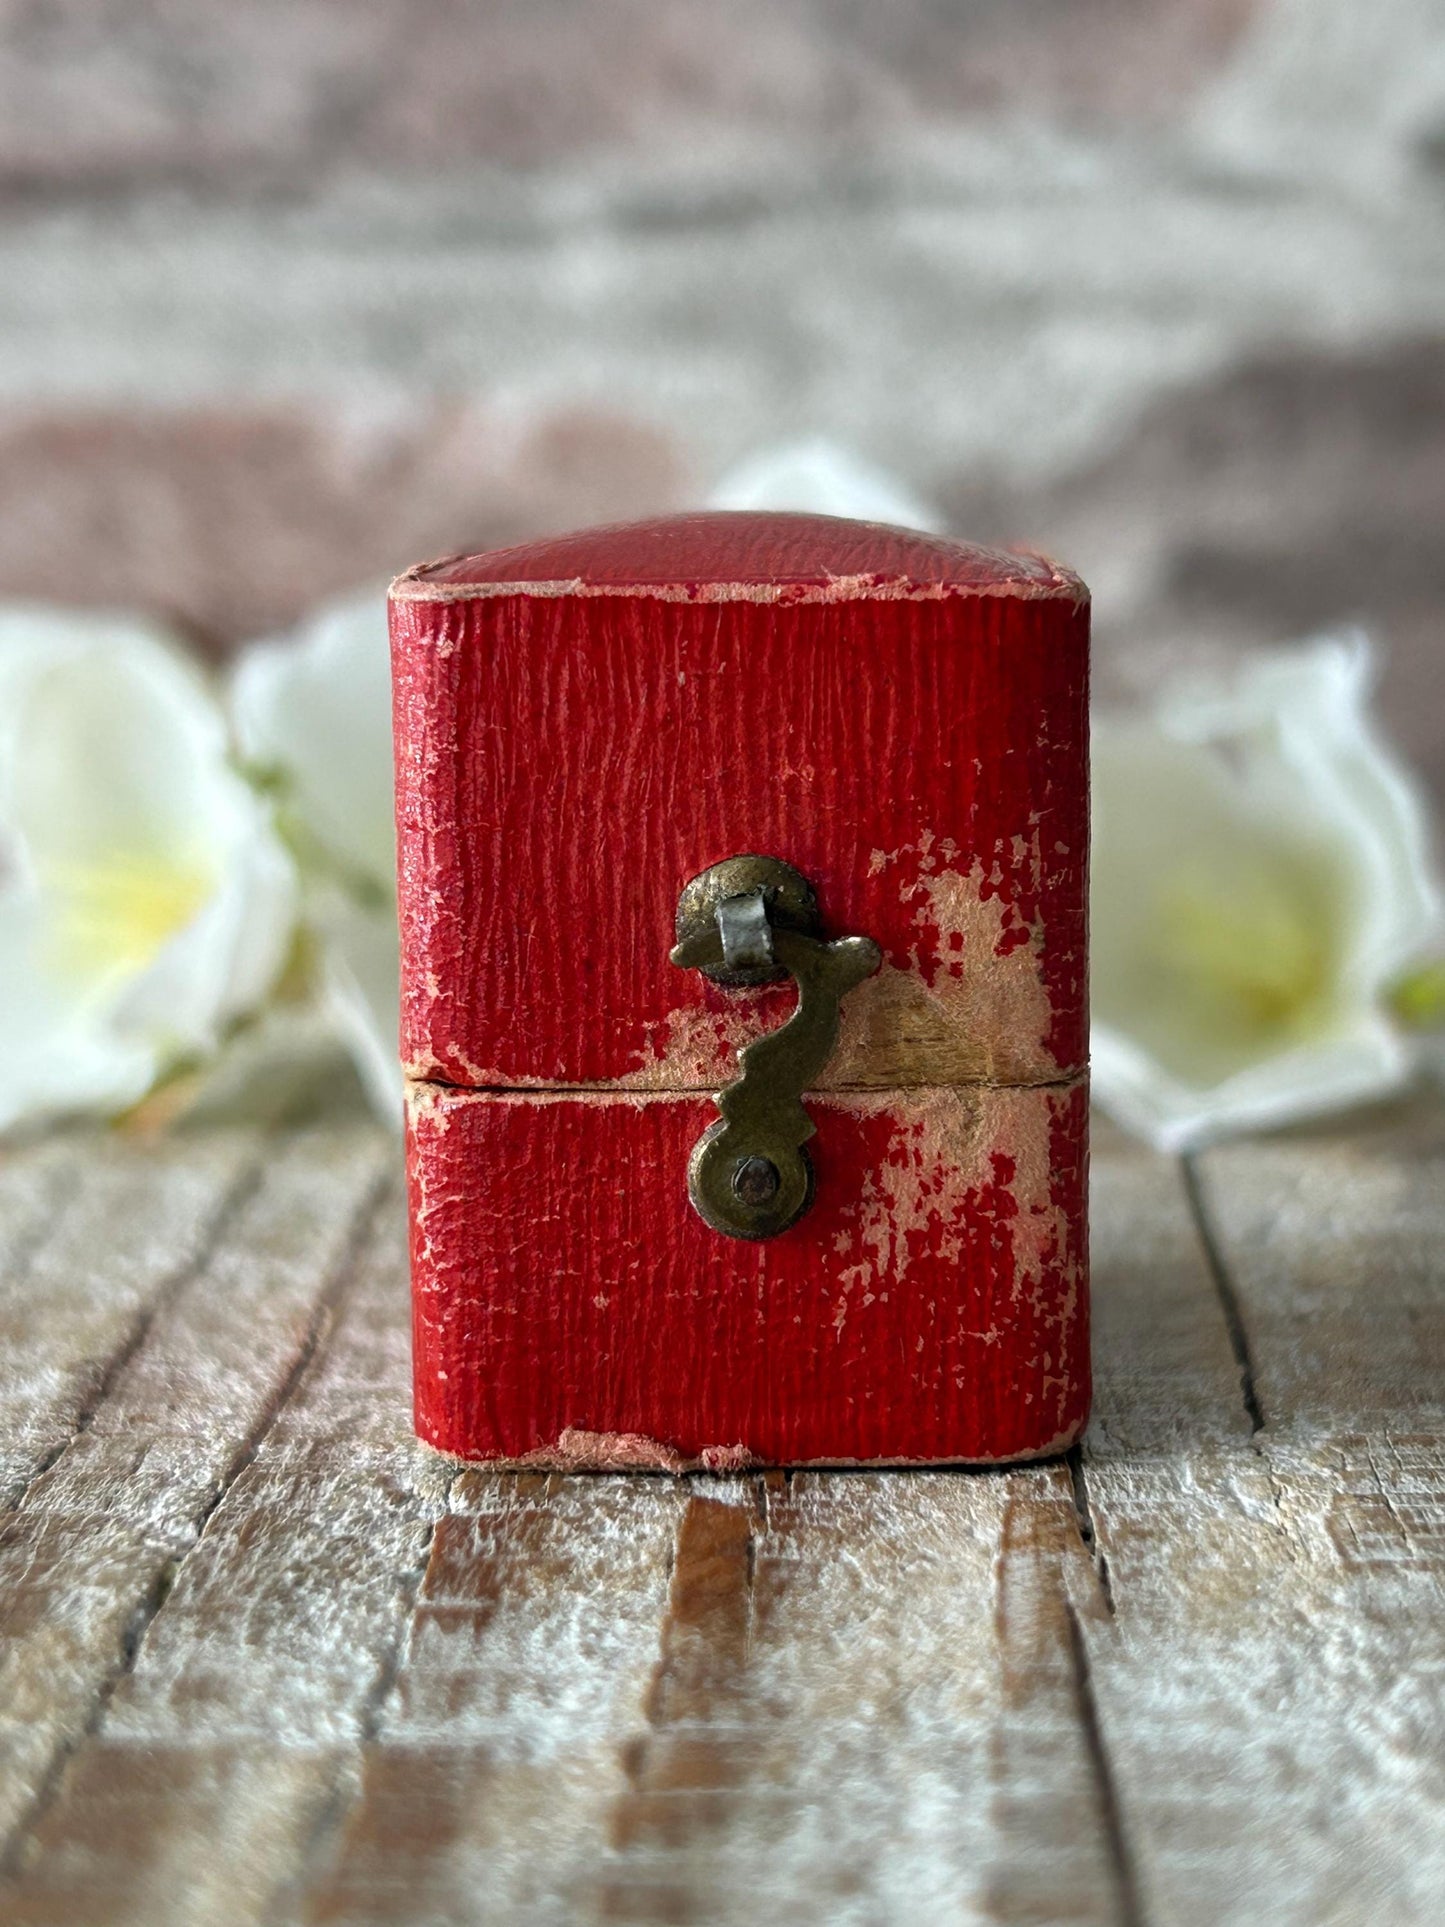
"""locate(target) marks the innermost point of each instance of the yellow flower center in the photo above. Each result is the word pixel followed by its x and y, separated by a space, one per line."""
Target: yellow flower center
pixel 1251 945
pixel 118 913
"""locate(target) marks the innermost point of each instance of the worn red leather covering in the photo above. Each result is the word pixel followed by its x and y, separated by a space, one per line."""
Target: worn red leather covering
pixel 584 724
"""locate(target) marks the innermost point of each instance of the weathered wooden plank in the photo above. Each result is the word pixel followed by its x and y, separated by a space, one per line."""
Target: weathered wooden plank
pixel 1179 1505
pixel 853 1700
pixel 1334 1248
pixel 912 1673
pixel 88 1557
pixel 1056 1857
pixel 223 1752
pixel 1166 1382
pixel 136 1221
pixel 1270 1723
pixel 36 1179
pixel 497 1760
pixel 565 1759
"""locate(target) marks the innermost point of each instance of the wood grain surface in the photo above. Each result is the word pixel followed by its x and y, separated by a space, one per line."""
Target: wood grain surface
pixel 266 1659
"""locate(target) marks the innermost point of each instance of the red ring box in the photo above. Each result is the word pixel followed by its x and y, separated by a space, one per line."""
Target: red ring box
pixel 582 725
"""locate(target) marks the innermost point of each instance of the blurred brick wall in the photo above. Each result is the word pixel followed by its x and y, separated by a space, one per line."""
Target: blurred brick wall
pixel 294 291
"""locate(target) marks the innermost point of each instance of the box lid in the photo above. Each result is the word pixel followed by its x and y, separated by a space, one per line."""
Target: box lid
pixel 584 723
pixel 740 555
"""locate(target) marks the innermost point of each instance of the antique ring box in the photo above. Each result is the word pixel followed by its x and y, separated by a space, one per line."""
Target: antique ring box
pixel 808 790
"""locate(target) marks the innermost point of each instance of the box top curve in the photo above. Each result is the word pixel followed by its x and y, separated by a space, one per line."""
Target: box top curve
pixel 724 555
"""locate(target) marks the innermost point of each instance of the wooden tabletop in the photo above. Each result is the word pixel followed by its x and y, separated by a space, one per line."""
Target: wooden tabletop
pixel 265 1659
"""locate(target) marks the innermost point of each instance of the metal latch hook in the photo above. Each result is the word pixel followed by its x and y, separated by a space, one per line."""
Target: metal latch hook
pixel 754 920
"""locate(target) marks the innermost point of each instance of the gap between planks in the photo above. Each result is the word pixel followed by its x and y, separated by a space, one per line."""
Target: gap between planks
pixel 1225 1291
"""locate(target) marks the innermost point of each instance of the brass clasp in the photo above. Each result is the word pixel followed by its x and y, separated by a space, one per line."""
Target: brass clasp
pixel 754 920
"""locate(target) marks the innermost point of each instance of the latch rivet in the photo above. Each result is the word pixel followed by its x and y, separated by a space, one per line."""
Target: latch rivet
pixel 756 1180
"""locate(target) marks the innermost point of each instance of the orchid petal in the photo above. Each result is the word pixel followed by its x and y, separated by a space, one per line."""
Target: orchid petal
pixel 1261 876
pixel 145 903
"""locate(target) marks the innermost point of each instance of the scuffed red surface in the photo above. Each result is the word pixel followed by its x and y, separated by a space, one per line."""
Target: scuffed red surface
pixel 931 1306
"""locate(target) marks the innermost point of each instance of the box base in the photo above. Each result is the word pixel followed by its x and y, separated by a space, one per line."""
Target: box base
pixel 572 1310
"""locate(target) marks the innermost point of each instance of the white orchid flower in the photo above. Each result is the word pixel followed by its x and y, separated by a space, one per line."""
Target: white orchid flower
pixel 145 904
pixel 313 715
pixel 1261 877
